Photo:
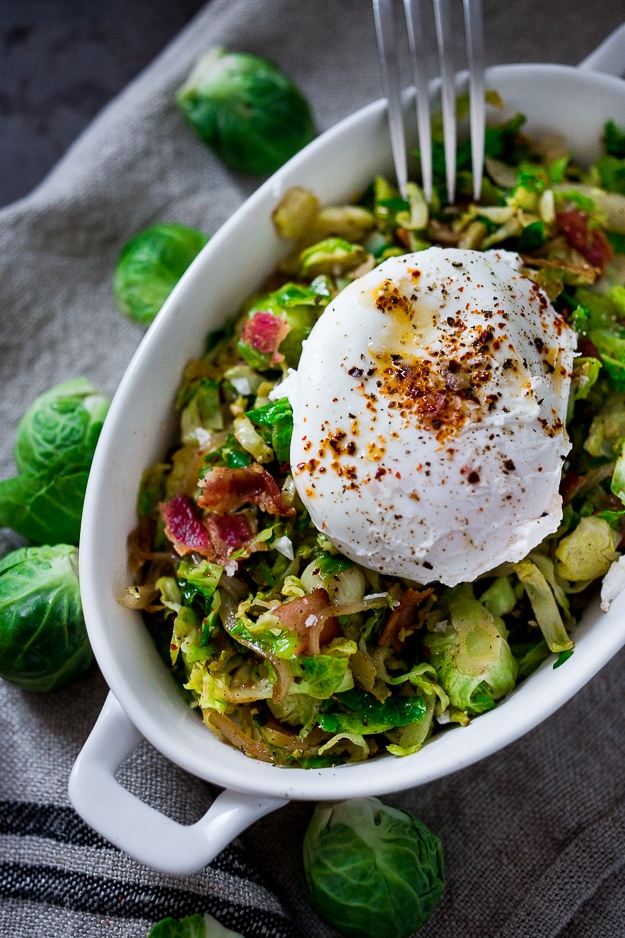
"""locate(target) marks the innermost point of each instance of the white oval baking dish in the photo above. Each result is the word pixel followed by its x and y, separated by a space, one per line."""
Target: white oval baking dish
pixel 144 702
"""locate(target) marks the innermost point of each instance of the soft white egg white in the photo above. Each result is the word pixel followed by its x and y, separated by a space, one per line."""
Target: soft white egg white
pixel 429 415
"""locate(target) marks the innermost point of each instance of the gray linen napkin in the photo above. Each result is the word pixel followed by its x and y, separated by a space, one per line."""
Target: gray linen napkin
pixel 533 836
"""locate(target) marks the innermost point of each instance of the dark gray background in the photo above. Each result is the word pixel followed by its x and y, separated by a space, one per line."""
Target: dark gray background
pixel 61 61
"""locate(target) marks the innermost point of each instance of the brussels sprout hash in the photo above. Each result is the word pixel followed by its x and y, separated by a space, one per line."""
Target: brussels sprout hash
pixel 293 653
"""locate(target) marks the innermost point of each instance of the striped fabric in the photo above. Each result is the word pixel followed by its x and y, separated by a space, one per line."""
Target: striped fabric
pixel 55 870
pixel 59 861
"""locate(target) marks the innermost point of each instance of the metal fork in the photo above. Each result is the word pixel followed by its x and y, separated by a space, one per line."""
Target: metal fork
pixel 391 83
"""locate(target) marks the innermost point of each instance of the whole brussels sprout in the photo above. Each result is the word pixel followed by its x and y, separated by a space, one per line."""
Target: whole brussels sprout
pixel 246 110
pixel 54 447
pixel 60 428
pixel 43 639
pixel 149 267
pixel 372 871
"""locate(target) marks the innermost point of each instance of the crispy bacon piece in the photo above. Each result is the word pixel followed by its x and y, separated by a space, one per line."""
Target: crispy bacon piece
pixel 228 533
pixel 570 485
pixel 264 332
pixel 228 489
pixel 590 242
pixel 403 236
pixel 313 617
pixel 215 537
pixel 184 528
pixel 402 621
pixel 588 348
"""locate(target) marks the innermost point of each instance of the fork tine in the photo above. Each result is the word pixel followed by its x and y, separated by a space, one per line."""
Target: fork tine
pixel 443 22
pixel 474 31
pixel 391 83
pixel 385 33
pixel 413 10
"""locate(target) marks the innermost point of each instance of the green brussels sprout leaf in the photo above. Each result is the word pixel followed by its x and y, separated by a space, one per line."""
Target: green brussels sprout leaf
pixel 152 489
pixel 243 106
pixel 56 440
pixel 320 676
pixel 544 605
pixel 198 581
pixel 589 550
pixel 372 871
pixel 329 565
pixel 46 511
pixel 149 267
pixel 366 715
pixel 190 927
pixel 331 256
pixel 614 139
pixel 229 454
pixel 473 661
pixel 194 926
pixel 43 640
pixel 276 424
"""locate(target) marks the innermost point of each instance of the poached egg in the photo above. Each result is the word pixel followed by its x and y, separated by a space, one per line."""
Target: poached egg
pixel 429 410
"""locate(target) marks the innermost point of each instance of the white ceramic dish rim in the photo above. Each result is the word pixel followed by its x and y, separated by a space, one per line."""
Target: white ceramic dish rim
pixel 530 703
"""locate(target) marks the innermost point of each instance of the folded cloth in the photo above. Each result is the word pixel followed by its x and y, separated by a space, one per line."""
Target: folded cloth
pixel 533 836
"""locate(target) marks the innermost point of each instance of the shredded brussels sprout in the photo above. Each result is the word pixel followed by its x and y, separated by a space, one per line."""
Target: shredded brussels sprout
pixel 290 651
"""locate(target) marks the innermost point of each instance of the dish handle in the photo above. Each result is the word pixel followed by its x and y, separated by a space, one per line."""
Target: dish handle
pixel 136 828
pixel 609 57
